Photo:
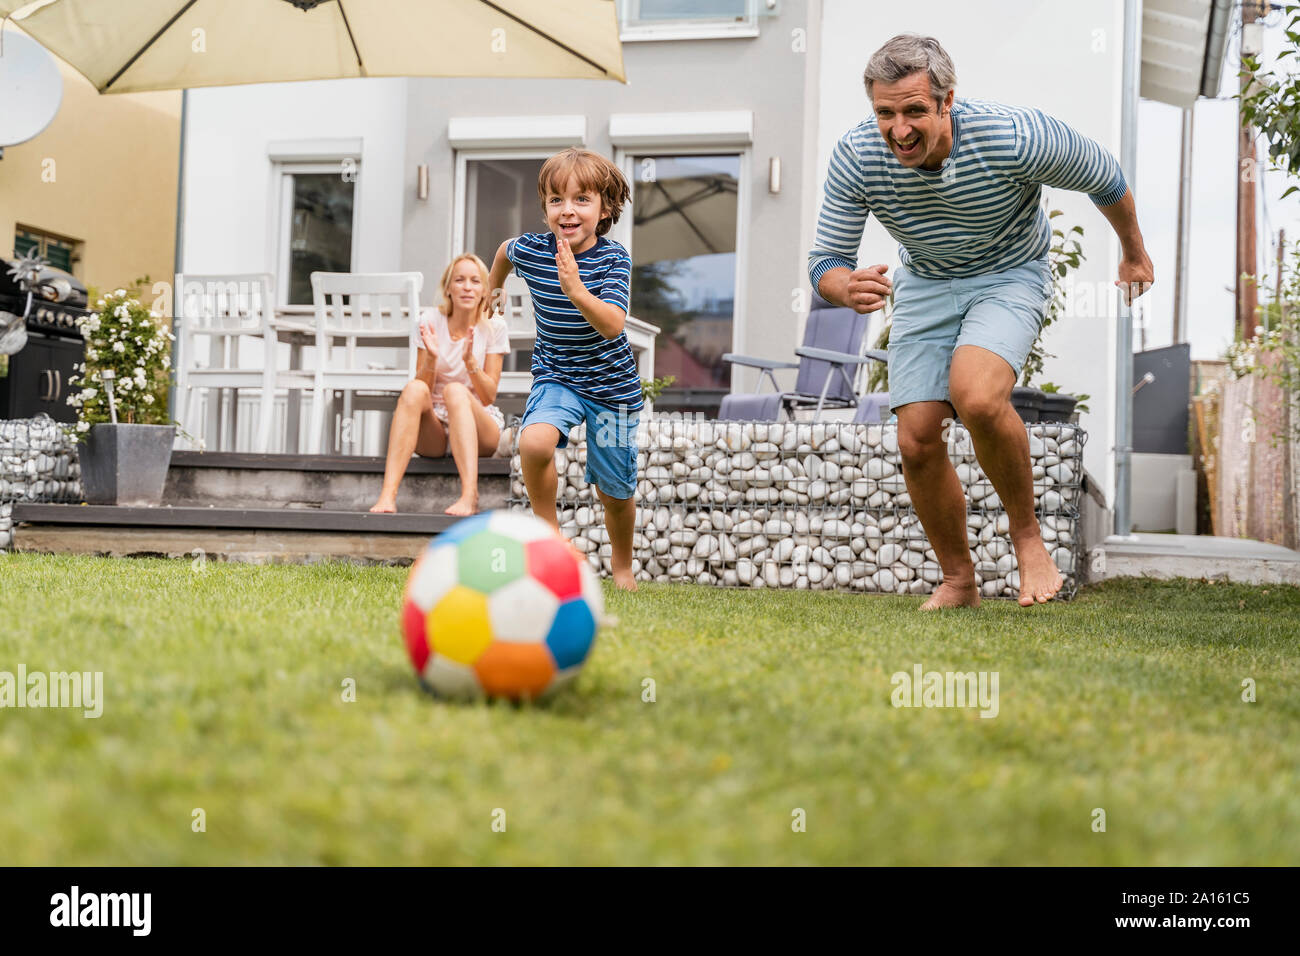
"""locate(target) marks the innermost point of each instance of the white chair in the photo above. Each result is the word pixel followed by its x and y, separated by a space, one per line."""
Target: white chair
pixel 383 309
pixel 227 310
pixel 518 313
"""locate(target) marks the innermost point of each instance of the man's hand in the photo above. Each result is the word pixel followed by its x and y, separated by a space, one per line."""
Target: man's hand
pixel 869 289
pixel 1135 276
pixel 865 290
pixel 570 280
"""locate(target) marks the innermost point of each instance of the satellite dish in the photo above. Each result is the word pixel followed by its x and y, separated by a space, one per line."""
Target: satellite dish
pixel 31 88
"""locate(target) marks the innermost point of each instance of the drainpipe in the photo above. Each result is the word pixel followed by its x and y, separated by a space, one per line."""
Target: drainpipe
pixel 1124 345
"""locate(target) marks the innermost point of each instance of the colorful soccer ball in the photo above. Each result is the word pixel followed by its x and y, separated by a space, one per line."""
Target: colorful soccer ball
pixel 500 605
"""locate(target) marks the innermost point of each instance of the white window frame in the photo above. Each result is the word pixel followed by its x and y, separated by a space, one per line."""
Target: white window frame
pixel 632 29
pixel 282 223
pixel 622 230
pixel 460 190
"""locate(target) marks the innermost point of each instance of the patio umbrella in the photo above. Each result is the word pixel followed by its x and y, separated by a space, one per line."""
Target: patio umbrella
pixel 127 46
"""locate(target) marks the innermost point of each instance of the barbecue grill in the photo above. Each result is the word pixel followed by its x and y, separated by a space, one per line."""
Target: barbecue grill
pixel 36 378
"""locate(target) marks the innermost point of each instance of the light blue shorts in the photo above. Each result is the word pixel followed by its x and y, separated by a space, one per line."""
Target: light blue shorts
pixel 1002 312
pixel 611 434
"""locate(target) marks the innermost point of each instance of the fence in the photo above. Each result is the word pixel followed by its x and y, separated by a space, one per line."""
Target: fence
pixel 810 505
pixel 1257 468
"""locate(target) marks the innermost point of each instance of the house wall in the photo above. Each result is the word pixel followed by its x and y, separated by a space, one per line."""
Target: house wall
pixel 231 211
pixel 1063 58
pixel 773 75
pixel 102 173
pixel 231 215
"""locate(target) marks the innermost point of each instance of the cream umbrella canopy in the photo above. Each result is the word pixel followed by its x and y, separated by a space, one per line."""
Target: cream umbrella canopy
pixel 128 46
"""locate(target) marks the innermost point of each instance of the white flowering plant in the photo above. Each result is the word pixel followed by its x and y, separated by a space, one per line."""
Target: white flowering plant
pixel 128 341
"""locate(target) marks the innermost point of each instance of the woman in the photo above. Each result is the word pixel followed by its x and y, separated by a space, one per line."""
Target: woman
pixel 449 402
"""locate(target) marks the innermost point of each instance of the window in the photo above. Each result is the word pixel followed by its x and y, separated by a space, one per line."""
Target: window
pixel 688 19
pixel 498 201
pixel 318 224
pixel 60 253
pixel 683 239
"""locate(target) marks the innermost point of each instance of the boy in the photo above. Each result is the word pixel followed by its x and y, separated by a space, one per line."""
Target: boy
pixel 583 368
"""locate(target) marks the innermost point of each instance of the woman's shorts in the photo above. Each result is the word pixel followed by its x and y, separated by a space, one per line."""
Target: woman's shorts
pixel 1002 312
pixel 440 413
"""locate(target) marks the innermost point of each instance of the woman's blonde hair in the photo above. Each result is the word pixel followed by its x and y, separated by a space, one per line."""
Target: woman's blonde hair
pixel 485 303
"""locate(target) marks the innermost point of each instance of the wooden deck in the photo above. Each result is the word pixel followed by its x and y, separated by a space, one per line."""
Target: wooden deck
pixel 266 509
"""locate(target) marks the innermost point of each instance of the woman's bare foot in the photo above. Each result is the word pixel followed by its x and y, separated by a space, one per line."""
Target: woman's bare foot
pixel 954 593
pixel 384 506
pixel 463 506
pixel 1039 577
pixel 624 579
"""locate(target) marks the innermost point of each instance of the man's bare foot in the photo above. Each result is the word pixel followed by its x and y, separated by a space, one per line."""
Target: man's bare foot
pixel 954 593
pixel 1039 577
pixel 463 507
pixel 384 506
pixel 624 579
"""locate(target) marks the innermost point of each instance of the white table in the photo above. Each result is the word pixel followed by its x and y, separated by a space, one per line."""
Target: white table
pixel 294 325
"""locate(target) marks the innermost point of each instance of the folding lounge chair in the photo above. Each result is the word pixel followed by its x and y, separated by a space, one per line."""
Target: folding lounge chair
pixel 829 361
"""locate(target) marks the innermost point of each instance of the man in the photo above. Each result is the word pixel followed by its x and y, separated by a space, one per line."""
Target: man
pixel 958 184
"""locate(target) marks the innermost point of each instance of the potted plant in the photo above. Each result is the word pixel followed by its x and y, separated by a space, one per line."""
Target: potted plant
pixel 125 440
pixel 651 388
pixel 1046 402
pixel 1057 406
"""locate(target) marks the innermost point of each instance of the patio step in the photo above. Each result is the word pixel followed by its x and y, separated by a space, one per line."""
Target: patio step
pixel 322 482
pixel 254 535
pixel 1241 560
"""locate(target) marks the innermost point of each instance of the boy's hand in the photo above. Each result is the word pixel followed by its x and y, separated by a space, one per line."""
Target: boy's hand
pixel 570 280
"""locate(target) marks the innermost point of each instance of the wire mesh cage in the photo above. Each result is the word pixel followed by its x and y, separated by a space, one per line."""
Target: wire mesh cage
pixel 37 463
pixel 811 505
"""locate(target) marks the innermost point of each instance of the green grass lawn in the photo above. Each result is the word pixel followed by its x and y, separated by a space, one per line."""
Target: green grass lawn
pixel 223 691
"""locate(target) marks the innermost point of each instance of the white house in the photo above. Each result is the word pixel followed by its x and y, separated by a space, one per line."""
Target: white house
pixel 742 98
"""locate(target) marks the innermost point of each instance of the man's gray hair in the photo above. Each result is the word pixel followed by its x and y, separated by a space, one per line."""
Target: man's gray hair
pixel 910 53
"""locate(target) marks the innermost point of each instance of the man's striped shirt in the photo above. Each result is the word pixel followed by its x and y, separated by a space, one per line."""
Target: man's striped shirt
pixel 568 349
pixel 980 212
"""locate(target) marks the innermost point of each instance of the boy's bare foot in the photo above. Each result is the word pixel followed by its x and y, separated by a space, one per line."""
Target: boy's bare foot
pixel 624 579
pixel 463 507
pixel 1039 577
pixel 384 506
pixel 954 593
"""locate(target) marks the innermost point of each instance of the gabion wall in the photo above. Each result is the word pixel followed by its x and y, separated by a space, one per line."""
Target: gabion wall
pixel 37 463
pixel 810 505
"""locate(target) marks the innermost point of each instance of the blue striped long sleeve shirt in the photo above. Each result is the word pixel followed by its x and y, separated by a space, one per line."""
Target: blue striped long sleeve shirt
pixel 980 212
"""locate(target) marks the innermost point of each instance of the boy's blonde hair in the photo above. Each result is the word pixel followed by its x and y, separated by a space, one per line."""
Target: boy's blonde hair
pixel 485 302
pixel 594 173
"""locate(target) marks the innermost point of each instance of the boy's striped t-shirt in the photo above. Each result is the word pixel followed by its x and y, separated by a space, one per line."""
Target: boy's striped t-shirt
pixel 980 212
pixel 568 349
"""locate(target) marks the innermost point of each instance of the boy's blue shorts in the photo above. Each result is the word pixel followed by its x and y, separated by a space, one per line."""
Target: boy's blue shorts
pixel 611 434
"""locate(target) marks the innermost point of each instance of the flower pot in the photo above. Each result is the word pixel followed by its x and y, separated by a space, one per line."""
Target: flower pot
pixel 1027 402
pixel 126 464
pixel 1057 407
